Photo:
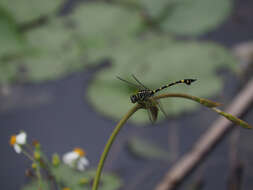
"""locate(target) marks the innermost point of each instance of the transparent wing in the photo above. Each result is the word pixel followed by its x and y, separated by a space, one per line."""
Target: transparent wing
pixel 159 104
pixel 140 82
pixel 129 83
pixel 153 113
pixel 150 116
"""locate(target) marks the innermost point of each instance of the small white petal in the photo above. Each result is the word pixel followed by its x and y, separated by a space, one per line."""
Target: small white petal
pixel 17 148
pixel 70 157
pixel 82 163
pixel 80 166
pixel 21 138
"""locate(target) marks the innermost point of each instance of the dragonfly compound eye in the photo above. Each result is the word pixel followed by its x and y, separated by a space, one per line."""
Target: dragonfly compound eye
pixel 133 98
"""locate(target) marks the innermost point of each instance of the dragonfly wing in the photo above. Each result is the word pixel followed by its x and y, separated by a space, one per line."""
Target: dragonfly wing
pixel 159 104
pixel 154 113
pixel 150 116
pixel 129 83
pixel 142 85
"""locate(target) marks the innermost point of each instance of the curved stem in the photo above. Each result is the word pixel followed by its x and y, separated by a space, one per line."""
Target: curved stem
pixel 39 177
pixel 210 104
pixel 109 144
pixel 203 101
pixel 233 118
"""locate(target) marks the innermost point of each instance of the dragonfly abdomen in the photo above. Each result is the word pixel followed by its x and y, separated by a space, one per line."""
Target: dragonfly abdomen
pixel 186 81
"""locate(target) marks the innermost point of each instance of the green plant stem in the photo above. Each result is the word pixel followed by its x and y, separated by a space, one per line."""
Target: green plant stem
pixel 203 101
pixel 37 167
pixel 210 104
pixel 233 119
pixel 39 176
pixel 109 144
pixel 28 155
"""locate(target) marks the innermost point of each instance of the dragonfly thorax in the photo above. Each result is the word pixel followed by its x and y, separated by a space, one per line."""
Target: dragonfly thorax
pixel 141 96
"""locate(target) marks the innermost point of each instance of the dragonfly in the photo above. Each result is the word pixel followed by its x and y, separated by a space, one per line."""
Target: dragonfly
pixel 144 96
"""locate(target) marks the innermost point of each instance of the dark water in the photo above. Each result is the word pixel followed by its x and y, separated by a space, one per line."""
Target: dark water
pixel 57 115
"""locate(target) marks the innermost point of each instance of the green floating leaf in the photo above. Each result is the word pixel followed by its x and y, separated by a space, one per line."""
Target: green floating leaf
pixel 10 39
pixel 194 17
pixel 11 43
pixel 155 9
pixel 128 3
pixel 156 64
pixel 56 35
pixel 56 54
pixel 147 150
pixel 53 52
pixel 112 23
pixel 66 45
pixel 8 73
pixel 102 27
pixel 30 10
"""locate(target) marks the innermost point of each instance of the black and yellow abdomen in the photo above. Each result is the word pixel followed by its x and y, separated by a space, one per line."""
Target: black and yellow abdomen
pixel 186 81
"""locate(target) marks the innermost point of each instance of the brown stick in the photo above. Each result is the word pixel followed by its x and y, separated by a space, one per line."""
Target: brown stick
pixel 236 168
pixel 207 142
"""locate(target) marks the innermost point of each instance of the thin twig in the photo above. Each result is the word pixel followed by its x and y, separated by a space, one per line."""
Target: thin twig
pixel 207 142
pixel 173 141
pixel 235 165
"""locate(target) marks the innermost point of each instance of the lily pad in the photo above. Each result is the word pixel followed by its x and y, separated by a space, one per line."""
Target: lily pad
pixel 56 35
pixel 147 150
pixel 103 27
pixel 68 44
pixel 156 66
pixel 195 17
pixel 8 73
pixel 155 9
pixel 56 52
pixel 30 10
pixel 50 66
pixel 53 52
pixel 112 23
pixel 10 39
pixel 11 43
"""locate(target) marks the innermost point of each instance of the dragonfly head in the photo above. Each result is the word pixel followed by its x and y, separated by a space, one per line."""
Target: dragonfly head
pixel 133 98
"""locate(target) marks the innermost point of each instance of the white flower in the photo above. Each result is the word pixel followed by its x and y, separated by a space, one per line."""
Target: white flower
pixel 76 159
pixel 17 141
